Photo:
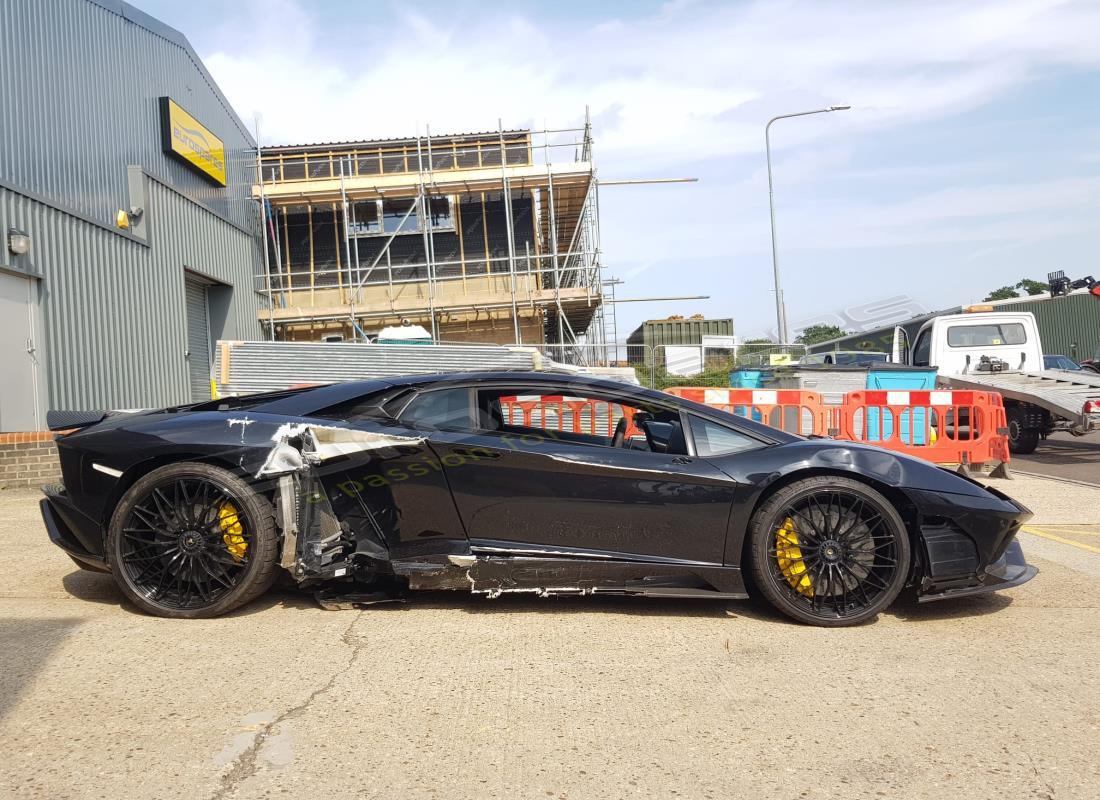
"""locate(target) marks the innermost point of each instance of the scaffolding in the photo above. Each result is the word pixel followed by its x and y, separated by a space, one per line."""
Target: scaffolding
pixel 489 237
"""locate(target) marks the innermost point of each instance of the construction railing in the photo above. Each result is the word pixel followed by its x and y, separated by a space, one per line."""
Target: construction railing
pixel 791 410
pixel 946 427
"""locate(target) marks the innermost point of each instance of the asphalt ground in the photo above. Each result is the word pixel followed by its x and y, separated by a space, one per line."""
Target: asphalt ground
pixel 1064 456
pixel 454 696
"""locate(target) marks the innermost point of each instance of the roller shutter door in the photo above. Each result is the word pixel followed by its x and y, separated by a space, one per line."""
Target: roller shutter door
pixel 198 340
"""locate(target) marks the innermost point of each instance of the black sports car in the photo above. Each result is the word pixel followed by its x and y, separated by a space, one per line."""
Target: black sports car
pixel 513 482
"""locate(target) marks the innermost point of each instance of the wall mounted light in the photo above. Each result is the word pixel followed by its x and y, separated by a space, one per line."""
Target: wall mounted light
pixel 123 219
pixel 19 243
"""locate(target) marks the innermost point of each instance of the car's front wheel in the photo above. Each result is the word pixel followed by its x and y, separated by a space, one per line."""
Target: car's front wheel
pixel 192 540
pixel 829 551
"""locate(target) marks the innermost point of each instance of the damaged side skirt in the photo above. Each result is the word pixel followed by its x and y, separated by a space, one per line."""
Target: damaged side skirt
pixel 494 576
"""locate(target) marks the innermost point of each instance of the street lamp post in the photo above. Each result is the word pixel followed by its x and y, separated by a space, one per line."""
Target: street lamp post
pixel 780 306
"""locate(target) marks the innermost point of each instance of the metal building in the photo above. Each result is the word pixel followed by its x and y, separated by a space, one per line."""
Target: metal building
pixel 1068 325
pixel 103 110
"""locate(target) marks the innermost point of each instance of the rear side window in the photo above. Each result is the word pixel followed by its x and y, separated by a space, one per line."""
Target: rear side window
pixel 372 407
pixel 712 439
pixel 445 409
pixel 987 335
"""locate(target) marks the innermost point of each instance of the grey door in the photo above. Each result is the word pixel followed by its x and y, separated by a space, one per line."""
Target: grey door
pixel 18 402
pixel 198 340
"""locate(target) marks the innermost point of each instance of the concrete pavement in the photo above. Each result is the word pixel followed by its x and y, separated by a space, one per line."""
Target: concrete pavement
pixel 1064 456
pixel 457 696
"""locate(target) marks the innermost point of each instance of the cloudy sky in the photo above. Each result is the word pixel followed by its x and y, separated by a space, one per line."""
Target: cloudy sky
pixel 970 158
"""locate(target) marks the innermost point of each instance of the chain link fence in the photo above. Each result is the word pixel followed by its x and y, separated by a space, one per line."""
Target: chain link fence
pixel 714 367
pixel 676 365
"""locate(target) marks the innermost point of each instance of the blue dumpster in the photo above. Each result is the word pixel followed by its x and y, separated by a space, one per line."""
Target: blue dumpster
pixel 747 379
pixel 899 377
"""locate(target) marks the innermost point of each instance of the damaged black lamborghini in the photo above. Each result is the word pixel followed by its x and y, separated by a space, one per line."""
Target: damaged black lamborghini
pixel 512 482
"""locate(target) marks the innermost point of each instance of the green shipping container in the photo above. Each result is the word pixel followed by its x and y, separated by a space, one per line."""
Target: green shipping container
pixel 662 332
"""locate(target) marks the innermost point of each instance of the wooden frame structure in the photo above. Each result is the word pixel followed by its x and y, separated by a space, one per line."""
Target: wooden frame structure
pixel 512 256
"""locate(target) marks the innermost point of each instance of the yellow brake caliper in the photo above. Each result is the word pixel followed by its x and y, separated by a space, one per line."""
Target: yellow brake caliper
pixel 789 555
pixel 232 531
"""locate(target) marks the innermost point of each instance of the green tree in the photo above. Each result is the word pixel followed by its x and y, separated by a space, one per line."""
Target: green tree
pixel 820 333
pixel 1004 293
pixel 1009 292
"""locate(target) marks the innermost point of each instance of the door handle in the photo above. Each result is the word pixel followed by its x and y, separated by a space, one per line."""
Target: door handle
pixel 681 460
pixel 476 453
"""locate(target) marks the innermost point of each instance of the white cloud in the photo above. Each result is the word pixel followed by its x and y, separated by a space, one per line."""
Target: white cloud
pixel 691 81
pixel 687 89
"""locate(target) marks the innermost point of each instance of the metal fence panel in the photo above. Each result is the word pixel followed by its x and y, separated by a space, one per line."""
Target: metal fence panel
pixel 246 367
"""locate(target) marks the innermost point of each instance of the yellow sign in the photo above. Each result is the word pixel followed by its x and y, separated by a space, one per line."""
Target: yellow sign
pixel 189 140
pixel 779 359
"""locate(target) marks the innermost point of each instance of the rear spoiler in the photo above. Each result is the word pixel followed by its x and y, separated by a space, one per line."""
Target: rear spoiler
pixel 73 420
pixel 70 420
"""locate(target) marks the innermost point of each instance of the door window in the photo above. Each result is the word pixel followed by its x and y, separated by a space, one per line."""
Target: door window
pixel 564 416
pixel 922 352
pixel 712 439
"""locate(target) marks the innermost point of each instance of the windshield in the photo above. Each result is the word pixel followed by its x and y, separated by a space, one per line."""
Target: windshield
pixel 986 335
pixel 1060 362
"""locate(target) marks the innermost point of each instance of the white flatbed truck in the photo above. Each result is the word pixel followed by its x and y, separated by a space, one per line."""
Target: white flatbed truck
pixel 986 350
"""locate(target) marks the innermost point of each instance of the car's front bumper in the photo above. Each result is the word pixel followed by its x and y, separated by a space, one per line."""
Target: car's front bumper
pixel 969 543
pixel 1009 570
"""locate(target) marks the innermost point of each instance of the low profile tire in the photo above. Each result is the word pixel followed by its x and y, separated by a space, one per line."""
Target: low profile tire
pixel 192 540
pixel 1021 440
pixel 829 551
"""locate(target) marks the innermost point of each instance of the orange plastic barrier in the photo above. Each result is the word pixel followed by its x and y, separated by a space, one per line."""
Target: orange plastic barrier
pixel 947 427
pixel 792 410
pixel 576 414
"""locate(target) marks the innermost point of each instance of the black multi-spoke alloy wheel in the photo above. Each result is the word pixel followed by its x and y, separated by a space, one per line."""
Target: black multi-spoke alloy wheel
pixel 192 540
pixel 829 551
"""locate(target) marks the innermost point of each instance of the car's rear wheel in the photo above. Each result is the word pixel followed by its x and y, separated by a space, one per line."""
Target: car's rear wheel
pixel 192 540
pixel 829 551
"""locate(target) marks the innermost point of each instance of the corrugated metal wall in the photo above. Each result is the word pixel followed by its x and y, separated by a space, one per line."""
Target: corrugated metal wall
pixel 1067 325
pixel 79 84
pixel 113 309
pixel 267 366
pixel 662 332
pixel 198 339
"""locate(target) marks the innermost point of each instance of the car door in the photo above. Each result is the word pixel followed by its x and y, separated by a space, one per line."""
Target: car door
pixel 397 493
pixel 557 484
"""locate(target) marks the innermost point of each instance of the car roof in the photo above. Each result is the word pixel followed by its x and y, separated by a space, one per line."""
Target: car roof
pixel 315 398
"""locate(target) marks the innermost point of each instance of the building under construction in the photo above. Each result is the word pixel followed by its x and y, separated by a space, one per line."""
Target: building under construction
pixel 487 237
